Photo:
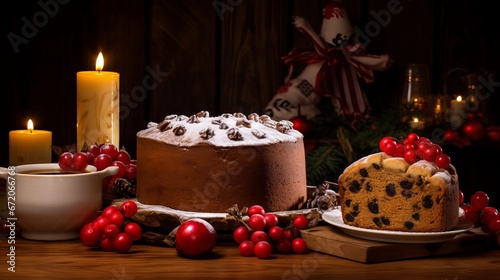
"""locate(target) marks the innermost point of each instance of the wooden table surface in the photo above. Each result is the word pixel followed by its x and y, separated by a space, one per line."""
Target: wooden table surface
pixel 72 260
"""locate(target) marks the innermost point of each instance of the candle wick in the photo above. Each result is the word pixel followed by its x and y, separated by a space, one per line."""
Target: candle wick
pixel 99 71
pixel 31 130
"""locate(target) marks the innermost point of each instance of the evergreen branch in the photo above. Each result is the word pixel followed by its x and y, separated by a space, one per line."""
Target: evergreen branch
pixel 342 141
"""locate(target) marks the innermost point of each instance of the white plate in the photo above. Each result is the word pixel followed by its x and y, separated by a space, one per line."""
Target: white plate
pixel 334 217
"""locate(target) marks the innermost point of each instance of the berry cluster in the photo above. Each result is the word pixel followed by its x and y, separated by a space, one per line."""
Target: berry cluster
pixel 102 156
pixel 482 215
pixel 261 234
pixel 414 148
pixel 112 231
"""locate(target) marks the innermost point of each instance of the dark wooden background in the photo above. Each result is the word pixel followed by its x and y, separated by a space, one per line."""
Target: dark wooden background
pixel 221 58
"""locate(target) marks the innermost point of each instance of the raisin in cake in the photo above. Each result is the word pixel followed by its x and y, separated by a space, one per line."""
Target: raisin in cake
pixel 384 192
pixel 208 164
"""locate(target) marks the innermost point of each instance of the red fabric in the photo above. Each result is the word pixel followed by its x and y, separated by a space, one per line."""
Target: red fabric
pixel 337 77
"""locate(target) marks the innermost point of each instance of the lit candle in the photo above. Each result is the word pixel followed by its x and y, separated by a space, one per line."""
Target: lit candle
pixel 457 112
pixel 417 124
pixel 30 146
pixel 458 106
pixel 98 108
pixel 437 108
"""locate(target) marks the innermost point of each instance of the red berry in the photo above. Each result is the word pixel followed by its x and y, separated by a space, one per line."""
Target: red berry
pixel 195 238
pixel 122 243
pixel 271 220
pixel 412 138
pixel 384 141
pixel 410 156
pixel 121 169
pixel 109 210
pixel 439 150
pixel 291 233
pixel 301 222
pixel 102 161
pixel 479 200
pixel 461 197
pixel 494 224
pixel 110 150
pixel 94 149
pixel 430 153
pixel 471 214
pixel 442 161
pixel 123 156
pixel 100 223
pixel 106 244
pixel 421 147
pixel 130 172
pixel 400 150
pixel 276 233
pixel 80 161
pixel 409 146
pixel 246 248
pixel 117 219
pixel 111 231
pixel 490 209
pixel 66 161
pixel 262 250
pixel 258 236
pixel 388 145
pixel 256 209
pixel 89 235
pixel 128 208
pixel 487 216
pixel 450 135
pixel 299 245
pixel 91 158
pixel 284 246
pixel 134 230
pixel 241 234
pixel 257 222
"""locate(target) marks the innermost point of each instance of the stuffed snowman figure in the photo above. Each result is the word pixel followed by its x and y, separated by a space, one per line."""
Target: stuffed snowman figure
pixel 332 69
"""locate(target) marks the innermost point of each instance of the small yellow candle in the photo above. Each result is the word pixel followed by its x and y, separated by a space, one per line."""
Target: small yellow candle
pixel 417 124
pixel 98 108
pixel 30 146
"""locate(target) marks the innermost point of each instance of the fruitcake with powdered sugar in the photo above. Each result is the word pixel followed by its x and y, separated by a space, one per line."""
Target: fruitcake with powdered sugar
pixel 202 163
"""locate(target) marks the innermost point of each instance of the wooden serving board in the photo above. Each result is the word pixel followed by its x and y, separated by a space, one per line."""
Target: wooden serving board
pixel 331 240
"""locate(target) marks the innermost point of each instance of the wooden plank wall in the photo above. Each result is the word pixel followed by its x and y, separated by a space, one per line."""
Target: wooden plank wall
pixel 205 58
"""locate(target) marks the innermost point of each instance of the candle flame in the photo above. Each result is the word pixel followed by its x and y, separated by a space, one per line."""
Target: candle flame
pixel 30 126
pixel 459 98
pixel 99 63
pixel 415 120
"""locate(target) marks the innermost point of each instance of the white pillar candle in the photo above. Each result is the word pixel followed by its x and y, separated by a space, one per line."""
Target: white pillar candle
pixel 457 112
pixel 98 106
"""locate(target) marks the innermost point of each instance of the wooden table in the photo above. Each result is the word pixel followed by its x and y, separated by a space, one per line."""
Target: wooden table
pixel 72 260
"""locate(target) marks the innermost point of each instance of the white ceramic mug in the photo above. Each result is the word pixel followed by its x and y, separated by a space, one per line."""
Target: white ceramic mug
pixel 53 206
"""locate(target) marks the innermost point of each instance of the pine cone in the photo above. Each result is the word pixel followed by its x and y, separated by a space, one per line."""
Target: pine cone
pixel 323 198
pixel 122 188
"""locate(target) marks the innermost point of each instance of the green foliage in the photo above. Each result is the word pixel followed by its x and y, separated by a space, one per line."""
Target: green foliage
pixel 341 140
pixel 324 163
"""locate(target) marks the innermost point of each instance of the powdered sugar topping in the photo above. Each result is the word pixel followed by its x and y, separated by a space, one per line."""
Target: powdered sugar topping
pixel 227 130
